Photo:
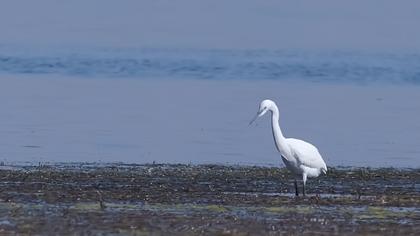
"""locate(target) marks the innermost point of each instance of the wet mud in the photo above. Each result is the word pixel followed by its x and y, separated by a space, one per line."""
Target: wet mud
pixel 205 199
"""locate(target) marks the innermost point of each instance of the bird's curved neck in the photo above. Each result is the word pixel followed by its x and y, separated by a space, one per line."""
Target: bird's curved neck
pixel 279 139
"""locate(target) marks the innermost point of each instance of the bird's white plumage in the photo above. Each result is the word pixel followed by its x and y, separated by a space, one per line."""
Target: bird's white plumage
pixel 306 154
pixel 301 158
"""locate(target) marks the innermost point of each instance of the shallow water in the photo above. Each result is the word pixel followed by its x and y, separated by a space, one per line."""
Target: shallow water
pixel 193 106
pixel 56 119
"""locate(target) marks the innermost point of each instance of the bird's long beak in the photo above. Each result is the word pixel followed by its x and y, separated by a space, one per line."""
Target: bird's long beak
pixel 255 117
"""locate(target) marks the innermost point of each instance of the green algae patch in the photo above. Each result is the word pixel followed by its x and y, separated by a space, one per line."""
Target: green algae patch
pixel 185 208
pixel 134 232
pixel 291 209
pixel 86 206
pixel 380 213
pixel 213 208
pixel 127 206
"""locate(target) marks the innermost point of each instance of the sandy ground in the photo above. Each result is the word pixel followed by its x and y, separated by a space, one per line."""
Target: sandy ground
pixel 205 199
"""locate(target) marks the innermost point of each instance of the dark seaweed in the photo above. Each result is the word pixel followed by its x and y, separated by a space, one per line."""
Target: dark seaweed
pixel 205 199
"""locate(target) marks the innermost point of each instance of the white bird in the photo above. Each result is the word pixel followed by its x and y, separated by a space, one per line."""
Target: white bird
pixel 300 157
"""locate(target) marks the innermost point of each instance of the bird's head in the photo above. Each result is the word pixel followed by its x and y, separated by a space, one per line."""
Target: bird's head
pixel 266 105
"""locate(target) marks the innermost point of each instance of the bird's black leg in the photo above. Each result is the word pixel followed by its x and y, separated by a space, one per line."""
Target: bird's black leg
pixel 296 188
pixel 304 191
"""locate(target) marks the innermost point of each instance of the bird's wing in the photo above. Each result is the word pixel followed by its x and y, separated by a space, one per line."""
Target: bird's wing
pixel 306 153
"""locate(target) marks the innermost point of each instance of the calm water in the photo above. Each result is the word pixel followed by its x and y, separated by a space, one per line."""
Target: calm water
pixel 193 106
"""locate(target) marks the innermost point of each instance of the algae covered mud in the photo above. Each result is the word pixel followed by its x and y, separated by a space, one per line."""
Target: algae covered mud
pixel 205 199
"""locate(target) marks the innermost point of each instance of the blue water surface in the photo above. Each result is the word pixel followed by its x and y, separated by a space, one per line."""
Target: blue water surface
pixel 319 66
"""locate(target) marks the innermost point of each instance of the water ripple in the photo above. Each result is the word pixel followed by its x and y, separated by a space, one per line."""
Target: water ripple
pixel 337 67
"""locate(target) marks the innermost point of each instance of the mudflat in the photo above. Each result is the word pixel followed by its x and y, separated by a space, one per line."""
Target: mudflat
pixel 160 199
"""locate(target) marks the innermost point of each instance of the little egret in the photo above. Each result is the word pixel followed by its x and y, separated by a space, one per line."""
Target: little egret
pixel 300 157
